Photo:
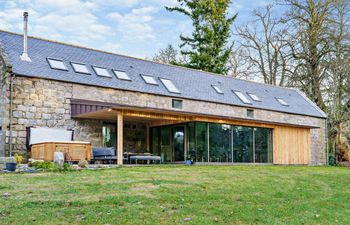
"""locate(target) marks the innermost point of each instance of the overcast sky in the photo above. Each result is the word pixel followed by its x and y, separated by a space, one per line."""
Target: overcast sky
pixel 132 27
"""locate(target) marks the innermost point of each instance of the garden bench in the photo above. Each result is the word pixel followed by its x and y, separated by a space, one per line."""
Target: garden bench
pixel 104 155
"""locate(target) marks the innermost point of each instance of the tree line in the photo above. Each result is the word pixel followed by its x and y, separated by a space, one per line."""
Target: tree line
pixel 305 47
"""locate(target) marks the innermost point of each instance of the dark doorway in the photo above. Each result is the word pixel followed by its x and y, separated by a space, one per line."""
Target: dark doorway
pixel 179 143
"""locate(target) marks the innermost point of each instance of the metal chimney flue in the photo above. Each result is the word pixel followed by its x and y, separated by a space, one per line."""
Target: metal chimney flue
pixel 25 56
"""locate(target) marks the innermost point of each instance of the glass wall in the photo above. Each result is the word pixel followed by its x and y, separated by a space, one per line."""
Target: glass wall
pixel 220 143
pixel 108 135
pixel 201 142
pixel 210 142
pixel 191 141
pixel 165 144
pixel 242 144
pixel 228 143
pixel 155 140
pixel 263 139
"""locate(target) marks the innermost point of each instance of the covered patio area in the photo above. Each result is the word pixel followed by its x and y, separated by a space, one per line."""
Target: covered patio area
pixel 128 129
pixel 174 137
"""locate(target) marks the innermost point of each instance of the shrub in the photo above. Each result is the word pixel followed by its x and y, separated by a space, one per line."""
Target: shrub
pixel 66 167
pixel 331 160
pixel 18 158
pixel 44 165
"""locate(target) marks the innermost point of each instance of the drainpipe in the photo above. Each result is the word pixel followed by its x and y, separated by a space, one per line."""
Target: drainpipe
pixel 11 112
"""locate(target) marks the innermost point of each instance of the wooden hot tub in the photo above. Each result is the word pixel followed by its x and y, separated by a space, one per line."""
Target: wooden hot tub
pixel 73 150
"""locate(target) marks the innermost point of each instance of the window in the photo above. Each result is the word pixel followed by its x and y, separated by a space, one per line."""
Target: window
pixel 108 135
pixel 56 64
pixel 254 97
pixel 149 79
pixel 263 145
pixel 220 143
pixel 177 104
pixel 80 68
pixel 121 75
pixel 202 142
pixel 217 89
pixel 101 71
pixel 242 97
pixel 242 139
pixel 165 144
pixel 250 113
pixel 170 86
pixel 282 102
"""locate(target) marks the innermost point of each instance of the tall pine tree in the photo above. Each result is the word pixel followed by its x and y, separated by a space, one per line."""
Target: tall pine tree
pixel 209 47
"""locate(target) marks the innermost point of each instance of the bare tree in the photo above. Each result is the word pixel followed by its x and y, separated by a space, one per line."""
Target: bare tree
pixel 239 66
pixel 309 44
pixel 264 41
pixel 337 94
pixel 167 55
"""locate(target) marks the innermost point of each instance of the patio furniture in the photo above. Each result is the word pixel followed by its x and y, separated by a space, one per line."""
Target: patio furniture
pixel 152 158
pixel 104 155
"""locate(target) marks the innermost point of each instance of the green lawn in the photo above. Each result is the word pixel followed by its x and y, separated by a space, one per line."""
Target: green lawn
pixel 179 195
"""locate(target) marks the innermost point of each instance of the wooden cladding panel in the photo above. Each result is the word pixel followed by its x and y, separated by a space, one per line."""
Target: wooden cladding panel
pixel 291 145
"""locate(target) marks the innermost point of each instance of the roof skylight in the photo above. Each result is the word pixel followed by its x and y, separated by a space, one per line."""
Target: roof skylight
pixel 56 64
pixel 80 68
pixel 101 71
pixel 121 75
pixel 217 89
pixel 242 97
pixel 170 85
pixel 282 102
pixel 149 79
pixel 254 97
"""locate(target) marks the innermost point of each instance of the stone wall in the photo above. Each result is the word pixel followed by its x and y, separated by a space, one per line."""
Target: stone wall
pixel 135 135
pixel 46 103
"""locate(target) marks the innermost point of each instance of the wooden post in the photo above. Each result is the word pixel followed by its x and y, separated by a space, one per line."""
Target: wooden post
pixel 120 138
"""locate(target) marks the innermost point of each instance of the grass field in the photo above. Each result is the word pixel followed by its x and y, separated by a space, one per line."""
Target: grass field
pixel 179 195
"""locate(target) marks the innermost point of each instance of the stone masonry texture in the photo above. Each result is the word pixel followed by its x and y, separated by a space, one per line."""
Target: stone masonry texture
pixel 46 103
pixel 2 110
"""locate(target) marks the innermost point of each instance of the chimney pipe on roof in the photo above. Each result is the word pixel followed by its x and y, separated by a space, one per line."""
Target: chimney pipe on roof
pixel 25 56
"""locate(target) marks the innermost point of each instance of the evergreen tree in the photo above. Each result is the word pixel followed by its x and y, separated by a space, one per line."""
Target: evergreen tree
pixel 209 47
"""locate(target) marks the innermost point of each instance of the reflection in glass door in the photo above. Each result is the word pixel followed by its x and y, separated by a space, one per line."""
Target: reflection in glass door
pixel 179 143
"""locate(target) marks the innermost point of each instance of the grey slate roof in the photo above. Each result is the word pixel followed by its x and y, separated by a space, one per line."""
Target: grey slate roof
pixel 193 84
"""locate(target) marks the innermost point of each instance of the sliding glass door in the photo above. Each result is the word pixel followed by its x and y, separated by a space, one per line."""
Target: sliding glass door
pixel 210 142
pixel 220 143
pixel 242 147
pixel 179 143
pixel 169 143
pixel 263 140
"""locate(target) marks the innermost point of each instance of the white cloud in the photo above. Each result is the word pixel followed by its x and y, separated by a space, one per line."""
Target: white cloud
pixel 134 27
pixel 64 20
pixel 137 24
